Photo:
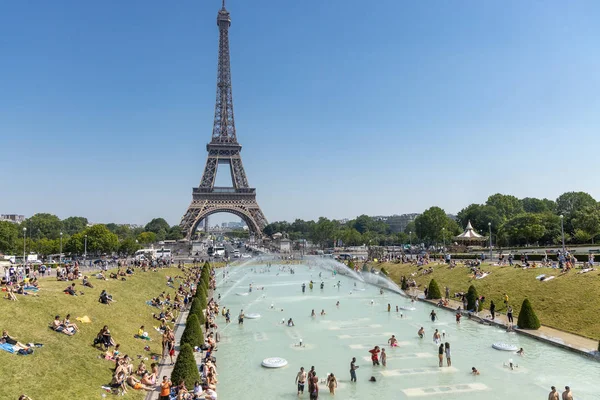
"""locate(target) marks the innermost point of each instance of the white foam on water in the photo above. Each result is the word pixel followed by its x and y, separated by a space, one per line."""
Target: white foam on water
pixel 418 371
pixel 260 337
pixel 404 356
pixel 363 335
pixel 364 346
pixel 350 327
pixel 440 390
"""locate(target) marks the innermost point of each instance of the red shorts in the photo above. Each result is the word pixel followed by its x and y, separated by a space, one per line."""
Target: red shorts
pixel 172 352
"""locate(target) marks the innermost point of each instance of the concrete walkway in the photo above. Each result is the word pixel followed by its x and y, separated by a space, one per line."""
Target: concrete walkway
pixel 569 341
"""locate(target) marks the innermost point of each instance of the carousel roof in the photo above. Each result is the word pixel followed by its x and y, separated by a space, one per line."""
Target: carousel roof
pixel 470 234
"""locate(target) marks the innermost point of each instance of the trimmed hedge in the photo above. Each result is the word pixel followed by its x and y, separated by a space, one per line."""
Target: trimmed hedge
pixel 403 283
pixel 471 297
pixel 197 310
pixel 433 292
pixel 527 318
pixel 185 368
pixel 192 334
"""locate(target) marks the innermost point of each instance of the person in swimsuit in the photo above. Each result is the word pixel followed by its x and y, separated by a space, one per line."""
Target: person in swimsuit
pixel 312 313
pixel 553 395
pixel 241 318
pixel 509 315
pixel 393 341
pixel 474 371
pixel 441 354
pixel 314 393
pixel 383 358
pixel 433 315
pixel 301 380
pixel 567 394
pixel 331 383
pixel 421 332
pixel 436 337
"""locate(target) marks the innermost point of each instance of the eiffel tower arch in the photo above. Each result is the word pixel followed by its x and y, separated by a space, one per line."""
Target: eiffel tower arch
pixel 223 150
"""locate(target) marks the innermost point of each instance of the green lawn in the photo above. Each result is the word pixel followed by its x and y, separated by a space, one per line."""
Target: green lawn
pixel 568 302
pixel 69 367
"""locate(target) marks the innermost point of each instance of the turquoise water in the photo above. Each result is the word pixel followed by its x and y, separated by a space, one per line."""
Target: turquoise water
pixel 350 330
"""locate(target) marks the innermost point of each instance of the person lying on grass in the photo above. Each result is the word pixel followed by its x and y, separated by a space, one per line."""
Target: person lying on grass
pixel 58 326
pixel 11 340
pixel 137 384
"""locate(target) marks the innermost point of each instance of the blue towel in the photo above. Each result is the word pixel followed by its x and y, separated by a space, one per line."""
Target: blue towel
pixel 7 347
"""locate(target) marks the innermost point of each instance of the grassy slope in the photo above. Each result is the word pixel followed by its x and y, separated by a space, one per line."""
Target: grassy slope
pixel 68 367
pixel 567 302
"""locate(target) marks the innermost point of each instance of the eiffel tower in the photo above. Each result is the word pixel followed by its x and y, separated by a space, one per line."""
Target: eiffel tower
pixel 223 150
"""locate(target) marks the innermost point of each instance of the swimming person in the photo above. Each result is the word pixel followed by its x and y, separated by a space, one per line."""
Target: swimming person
pixel 474 371
pixel 322 312
pixel 441 354
pixel 290 322
pixel 337 304
pixel 353 369
pixel 421 333
pixel 521 351
pixel 312 313
pixel 448 359
pixel 393 341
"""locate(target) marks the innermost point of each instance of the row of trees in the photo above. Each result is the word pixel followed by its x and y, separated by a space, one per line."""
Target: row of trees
pixel 185 366
pixel 42 235
pixel 514 222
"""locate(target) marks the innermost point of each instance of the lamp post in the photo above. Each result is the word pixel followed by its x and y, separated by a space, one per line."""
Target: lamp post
pixel 444 238
pixel 24 253
pixel 490 228
pixel 562 231
pixel 84 249
pixel 60 255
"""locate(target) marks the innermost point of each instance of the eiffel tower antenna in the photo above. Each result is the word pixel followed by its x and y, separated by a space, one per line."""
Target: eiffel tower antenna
pixel 223 149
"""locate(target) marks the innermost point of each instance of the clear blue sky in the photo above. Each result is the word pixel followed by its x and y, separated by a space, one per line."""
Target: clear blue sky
pixel 343 107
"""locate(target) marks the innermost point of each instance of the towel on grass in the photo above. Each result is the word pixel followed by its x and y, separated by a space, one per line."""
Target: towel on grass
pixel 85 319
pixel 7 347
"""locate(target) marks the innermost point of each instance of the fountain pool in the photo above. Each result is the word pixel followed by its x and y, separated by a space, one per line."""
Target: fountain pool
pixel 359 323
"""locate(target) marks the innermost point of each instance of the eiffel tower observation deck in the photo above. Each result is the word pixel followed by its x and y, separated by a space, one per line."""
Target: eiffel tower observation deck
pixel 224 151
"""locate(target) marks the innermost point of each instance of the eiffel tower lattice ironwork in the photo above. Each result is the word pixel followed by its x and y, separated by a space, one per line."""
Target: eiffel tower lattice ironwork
pixel 223 149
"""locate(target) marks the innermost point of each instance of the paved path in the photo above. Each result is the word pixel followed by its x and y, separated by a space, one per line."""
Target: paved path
pixel 579 344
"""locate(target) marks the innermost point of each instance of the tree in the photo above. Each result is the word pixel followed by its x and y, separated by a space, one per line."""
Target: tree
pixel 156 225
pixel 101 240
pixel 9 237
pixel 73 225
pixel 175 233
pixel 523 229
pixel 197 310
pixel 147 237
pixel 480 216
pixel 185 368
pixel 429 225
pixel 568 203
pixel 43 225
pixel 128 246
pixel 508 206
pixel 471 297
pixel 433 292
pixel 192 333
pixel 527 318
pixel 75 244
pixel 587 220
pixel 323 231
pixel 533 205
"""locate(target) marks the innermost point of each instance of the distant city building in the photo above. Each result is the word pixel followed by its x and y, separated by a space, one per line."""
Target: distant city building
pixel 14 218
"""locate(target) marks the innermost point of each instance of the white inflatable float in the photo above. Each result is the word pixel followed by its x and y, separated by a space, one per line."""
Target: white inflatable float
pixel 274 362
pixel 242 294
pixel 408 308
pixel 504 347
pixel 252 315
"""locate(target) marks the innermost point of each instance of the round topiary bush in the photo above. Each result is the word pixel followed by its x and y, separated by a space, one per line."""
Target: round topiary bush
pixel 192 334
pixel 185 368
pixel 433 291
pixel 472 296
pixel 527 318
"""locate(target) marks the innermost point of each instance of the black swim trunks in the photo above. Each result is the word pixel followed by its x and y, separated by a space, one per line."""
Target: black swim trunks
pixel 301 387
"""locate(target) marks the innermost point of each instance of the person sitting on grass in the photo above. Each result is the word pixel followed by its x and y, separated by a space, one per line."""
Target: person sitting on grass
pixel 118 383
pixel 104 338
pixel 105 298
pixel 10 295
pixel 113 354
pixel 142 334
pixel 87 283
pixel 67 323
pixel 71 290
pixel 58 326
pixel 141 369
